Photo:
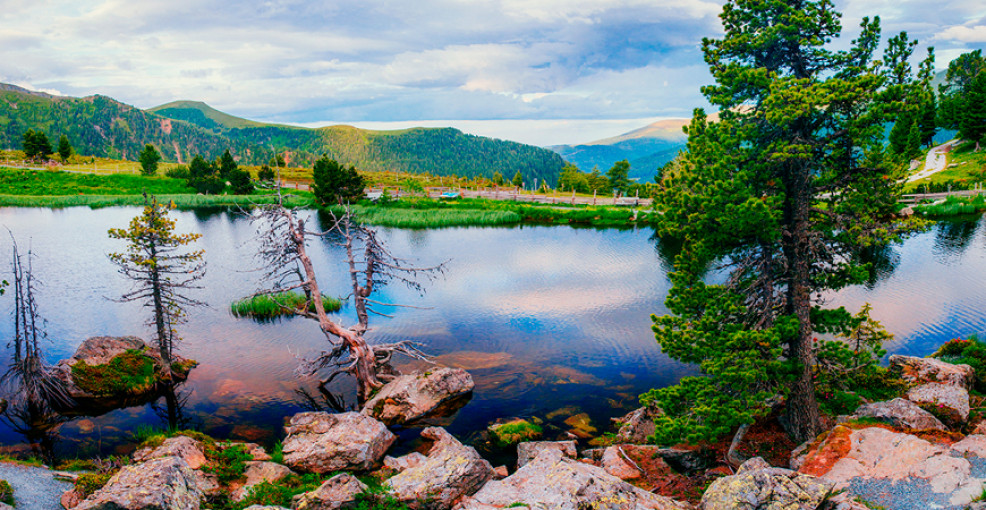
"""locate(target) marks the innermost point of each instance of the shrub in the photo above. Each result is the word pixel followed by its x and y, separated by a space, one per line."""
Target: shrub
pixel 970 352
pixel 229 463
pixel 88 483
pixel 6 493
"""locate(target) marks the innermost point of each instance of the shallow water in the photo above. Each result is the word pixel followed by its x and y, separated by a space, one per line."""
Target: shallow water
pixel 551 321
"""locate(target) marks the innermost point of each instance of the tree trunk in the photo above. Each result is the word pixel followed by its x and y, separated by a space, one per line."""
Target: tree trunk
pixel 802 408
pixel 163 339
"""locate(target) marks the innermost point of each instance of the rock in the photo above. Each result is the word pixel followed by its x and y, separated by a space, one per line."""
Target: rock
pixel 980 428
pixel 950 402
pixel 182 447
pixel 758 485
pixel 559 483
pixel 411 397
pixel 685 460
pixel 900 471
pixel 514 431
pixel 337 492
pixel 399 464
pixel 451 471
pixel 900 413
pixel 616 463
pixel 581 425
pixel 263 507
pixel 323 442
pixel 71 499
pixel 528 450
pixel 500 472
pixel 637 425
pixel 258 472
pixel 925 370
pixel 158 484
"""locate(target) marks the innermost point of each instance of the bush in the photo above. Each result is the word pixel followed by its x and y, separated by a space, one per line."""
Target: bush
pixel 178 172
pixel 970 352
pixel 6 493
pixel 88 483
pixel 229 463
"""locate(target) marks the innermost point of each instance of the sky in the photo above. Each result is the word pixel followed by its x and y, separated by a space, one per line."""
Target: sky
pixel 537 71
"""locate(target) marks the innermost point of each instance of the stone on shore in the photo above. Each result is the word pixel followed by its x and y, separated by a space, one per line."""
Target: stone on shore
pixel 559 483
pixel 900 413
pixel 337 492
pixel 758 485
pixel 527 451
pixel 926 370
pixel 950 402
pixel 450 472
pixel 321 442
pixel 182 447
pixel 414 396
pixel 159 484
pixel 637 425
pixel 399 464
pixel 258 472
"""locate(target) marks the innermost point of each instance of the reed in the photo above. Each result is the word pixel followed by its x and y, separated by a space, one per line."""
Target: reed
pixel 269 306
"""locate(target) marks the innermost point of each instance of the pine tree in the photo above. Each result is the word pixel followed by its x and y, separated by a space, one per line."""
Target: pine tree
pixel 64 148
pixel 149 158
pixel 972 126
pixel 787 185
pixel 618 175
pixel 518 180
pixel 226 165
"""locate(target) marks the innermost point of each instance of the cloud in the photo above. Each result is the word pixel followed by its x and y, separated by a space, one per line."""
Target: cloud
pixel 975 34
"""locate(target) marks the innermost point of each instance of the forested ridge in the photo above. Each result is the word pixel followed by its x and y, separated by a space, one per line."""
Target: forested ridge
pixel 101 126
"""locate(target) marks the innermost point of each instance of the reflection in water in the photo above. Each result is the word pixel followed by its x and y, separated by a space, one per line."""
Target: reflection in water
pixel 548 320
pixel 172 413
pixel 882 261
pixel 952 236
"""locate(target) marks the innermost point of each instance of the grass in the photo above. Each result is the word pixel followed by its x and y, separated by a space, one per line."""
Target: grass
pixel 6 493
pixel 269 306
pixel 228 464
pixel 29 461
pixel 130 372
pixel 514 432
pixel 970 168
pixel 89 483
pixel 953 206
pixel 44 182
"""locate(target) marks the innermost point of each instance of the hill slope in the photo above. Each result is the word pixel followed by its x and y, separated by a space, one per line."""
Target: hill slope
pixel 101 126
pixel 646 148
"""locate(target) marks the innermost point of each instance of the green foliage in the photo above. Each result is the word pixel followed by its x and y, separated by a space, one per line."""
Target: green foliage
pixel 6 493
pixel 36 144
pixel 412 185
pixel 518 179
pixel 277 453
pixel 618 175
pixel 498 178
pixel 130 372
pixel 149 158
pixel 204 176
pixel 334 183
pixel 747 194
pixel 226 165
pixel 239 180
pixel 573 179
pixel 970 352
pixel 64 148
pixel 88 483
pixel 268 306
pixel 972 123
pixel 42 182
pixel 266 174
pixel 228 464
pixel 514 432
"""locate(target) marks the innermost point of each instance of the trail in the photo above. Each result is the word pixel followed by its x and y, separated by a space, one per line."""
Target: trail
pixel 934 163
pixel 34 488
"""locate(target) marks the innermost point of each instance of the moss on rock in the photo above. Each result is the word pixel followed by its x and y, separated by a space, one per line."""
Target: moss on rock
pixel 130 372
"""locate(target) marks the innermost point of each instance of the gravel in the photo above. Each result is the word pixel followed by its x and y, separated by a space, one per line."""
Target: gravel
pixel 34 488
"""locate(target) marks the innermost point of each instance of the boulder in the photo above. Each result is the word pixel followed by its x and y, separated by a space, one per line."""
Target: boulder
pixel 451 471
pixel 399 464
pixel 637 425
pixel 758 485
pixel 71 499
pixel 925 370
pixel 898 470
pixel 526 452
pixel 616 463
pixel 411 397
pixel 554 481
pixel 258 472
pixel 337 492
pixel 159 484
pixel 265 507
pixel 900 413
pixel 322 442
pixel 182 447
pixel 949 402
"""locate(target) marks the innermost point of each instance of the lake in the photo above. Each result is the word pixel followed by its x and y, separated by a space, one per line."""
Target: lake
pixel 551 321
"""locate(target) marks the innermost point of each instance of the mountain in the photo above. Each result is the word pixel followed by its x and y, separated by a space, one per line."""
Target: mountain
pixel 101 126
pixel 647 149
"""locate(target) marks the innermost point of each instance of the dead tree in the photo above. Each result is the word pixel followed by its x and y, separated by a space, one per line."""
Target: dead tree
pixel 283 238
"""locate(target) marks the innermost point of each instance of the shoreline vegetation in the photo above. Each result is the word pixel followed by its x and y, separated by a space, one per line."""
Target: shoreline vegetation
pixel 270 306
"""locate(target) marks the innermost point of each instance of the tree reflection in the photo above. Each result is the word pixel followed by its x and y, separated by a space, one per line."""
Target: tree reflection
pixel 952 236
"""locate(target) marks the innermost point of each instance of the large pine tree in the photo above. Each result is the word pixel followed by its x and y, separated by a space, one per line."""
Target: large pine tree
pixel 784 189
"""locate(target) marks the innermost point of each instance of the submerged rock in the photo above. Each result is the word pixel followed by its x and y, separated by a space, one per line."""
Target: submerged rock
pixel 159 484
pixel 926 370
pixel 337 492
pixel 323 442
pixel 555 482
pixel 759 485
pixel 451 471
pixel 414 396
pixel 900 413
pixel 107 373
pixel 949 402
pixel 513 431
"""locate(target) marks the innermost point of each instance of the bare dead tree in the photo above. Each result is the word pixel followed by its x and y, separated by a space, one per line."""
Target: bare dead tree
pixel 283 237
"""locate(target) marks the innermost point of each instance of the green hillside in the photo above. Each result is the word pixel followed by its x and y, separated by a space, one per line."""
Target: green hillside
pixel 101 126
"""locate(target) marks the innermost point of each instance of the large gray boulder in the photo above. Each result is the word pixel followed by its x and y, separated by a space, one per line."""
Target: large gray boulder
pixel 337 492
pixel 950 402
pixel 451 471
pixel 183 447
pixel 159 484
pixel 552 481
pixel 757 485
pixel 925 370
pixel 411 397
pixel 900 413
pixel 323 442
pixel 527 451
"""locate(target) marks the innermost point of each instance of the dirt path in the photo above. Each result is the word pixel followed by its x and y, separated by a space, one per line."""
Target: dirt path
pixel 934 163
pixel 34 488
